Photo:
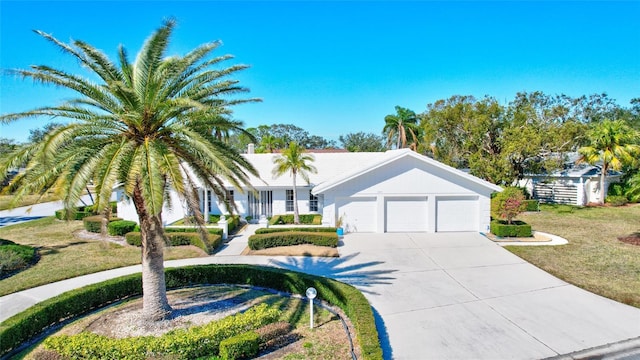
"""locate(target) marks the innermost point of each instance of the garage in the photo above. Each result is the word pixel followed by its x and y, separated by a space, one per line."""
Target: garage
pixel 359 214
pixel 406 214
pixel 457 213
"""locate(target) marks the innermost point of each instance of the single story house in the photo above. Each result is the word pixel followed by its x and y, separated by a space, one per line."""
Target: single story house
pixel 579 185
pixel 392 191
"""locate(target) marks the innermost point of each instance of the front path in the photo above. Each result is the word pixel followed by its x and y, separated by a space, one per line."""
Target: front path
pixel 438 296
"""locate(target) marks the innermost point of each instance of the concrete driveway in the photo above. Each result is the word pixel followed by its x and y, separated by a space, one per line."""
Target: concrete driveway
pixel 438 296
pixel 461 296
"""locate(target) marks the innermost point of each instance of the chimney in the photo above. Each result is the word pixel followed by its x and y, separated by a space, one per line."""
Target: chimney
pixel 251 149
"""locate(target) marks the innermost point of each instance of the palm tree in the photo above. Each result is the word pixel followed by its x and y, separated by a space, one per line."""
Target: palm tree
pixel 402 126
pixel 614 144
pixel 142 125
pixel 294 160
pixel 269 143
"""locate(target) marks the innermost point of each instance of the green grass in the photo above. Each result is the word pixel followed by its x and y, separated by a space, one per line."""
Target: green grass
pixel 594 259
pixel 64 256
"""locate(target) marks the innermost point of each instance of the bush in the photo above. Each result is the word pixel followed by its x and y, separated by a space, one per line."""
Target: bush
pixel 14 257
pixel 24 326
pixel 63 214
pixel 180 239
pixel 616 200
pixel 189 229
pixel 94 223
pixel 516 229
pixel 120 227
pixel 310 219
pixel 288 238
pixel 532 205
pixel 303 229
pixel 508 204
pixel 243 346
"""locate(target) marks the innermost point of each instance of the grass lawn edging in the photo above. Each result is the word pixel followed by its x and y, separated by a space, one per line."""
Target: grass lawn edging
pixel 23 327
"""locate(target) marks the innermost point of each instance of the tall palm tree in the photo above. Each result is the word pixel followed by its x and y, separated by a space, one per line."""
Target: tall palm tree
pixel 145 124
pixel 269 143
pixel 402 127
pixel 614 144
pixel 296 161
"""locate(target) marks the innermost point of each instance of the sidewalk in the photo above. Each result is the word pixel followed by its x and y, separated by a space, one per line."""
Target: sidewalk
pixel 26 213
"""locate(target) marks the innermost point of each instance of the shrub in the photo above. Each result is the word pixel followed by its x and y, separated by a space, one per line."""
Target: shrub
pixel 288 238
pixel 63 214
pixel 532 205
pixel 516 229
pixel 22 327
pixel 94 223
pixel 508 204
pixel 120 227
pixel 243 346
pixel 191 229
pixel 180 239
pixel 273 331
pixel 315 219
pixel 286 229
pixel 616 200
pixel 14 256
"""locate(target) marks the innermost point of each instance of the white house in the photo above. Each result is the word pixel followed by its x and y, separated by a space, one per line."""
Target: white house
pixel 393 191
pixel 577 185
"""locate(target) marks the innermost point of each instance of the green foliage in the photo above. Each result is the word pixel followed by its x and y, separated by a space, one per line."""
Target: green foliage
pixel 82 212
pixel 14 257
pixel 532 205
pixel 303 229
pixel 617 200
pixel 362 142
pixel 94 223
pixel 508 204
pixel 191 229
pixel 617 190
pixel 31 322
pixel 243 346
pixel 191 343
pixel 288 238
pixel 182 238
pixel 309 219
pixel 516 229
pixel 402 129
pixel 121 227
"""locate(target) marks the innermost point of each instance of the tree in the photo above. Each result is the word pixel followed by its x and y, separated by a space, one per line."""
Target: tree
pixel 36 135
pixel 362 142
pixel 144 124
pixel 296 161
pixel 508 204
pixel 614 144
pixel 269 143
pixel 402 127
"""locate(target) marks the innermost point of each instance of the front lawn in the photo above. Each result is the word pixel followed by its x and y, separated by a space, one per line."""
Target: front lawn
pixel 594 259
pixel 64 256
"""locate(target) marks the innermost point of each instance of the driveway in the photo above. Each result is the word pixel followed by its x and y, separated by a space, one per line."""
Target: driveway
pixel 461 296
pixel 437 296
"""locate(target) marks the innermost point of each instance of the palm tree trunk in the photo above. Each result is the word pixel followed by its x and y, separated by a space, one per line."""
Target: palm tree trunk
pixel 155 305
pixel 603 175
pixel 296 215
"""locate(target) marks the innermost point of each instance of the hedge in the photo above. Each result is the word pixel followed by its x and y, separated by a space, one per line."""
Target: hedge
pixel 312 219
pixel 288 238
pixel 15 256
pixel 180 239
pixel 304 229
pixel 517 229
pixel 94 223
pixel 121 227
pixel 32 322
pixel 242 346
pixel 532 205
pixel 190 229
pixel 82 212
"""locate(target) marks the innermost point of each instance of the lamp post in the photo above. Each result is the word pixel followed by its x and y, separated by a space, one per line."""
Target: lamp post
pixel 311 294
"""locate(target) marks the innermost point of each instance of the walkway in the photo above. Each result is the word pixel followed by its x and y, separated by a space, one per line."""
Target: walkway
pixel 437 296
pixel 26 213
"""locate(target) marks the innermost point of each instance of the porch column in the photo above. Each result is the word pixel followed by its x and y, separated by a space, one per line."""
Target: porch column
pixel 205 212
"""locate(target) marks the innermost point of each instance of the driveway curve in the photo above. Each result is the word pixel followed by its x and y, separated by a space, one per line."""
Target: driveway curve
pixel 436 296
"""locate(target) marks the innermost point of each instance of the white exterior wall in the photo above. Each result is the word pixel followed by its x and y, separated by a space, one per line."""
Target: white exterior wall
pixel 127 211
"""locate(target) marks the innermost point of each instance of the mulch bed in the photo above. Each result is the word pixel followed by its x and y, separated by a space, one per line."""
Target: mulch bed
pixel 633 239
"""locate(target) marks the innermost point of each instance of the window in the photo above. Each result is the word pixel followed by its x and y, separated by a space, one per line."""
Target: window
pixel 313 202
pixel 230 200
pixel 289 197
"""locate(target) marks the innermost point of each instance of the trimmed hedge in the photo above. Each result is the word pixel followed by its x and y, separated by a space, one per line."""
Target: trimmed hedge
pixel 82 212
pixel 288 238
pixel 32 322
pixel 304 229
pixel 121 227
pixel 15 256
pixel 311 219
pixel 93 223
pixel 532 205
pixel 517 229
pixel 180 239
pixel 242 346
pixel 189 229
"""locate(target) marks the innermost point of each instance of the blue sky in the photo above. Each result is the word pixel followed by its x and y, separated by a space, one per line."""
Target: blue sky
pixel 339 67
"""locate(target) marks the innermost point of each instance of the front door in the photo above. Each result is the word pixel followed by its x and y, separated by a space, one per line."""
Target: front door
pixel 262 204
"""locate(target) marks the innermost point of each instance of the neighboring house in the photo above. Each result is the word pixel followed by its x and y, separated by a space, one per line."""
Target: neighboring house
pixel 577 185
pixel 393 191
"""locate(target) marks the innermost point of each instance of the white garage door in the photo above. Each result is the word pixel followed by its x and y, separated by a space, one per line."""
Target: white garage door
pixel 406 214
pixel 358 215
pixel 459 213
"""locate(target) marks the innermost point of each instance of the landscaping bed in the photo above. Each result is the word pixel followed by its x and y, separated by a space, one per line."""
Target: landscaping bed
pixel 295 250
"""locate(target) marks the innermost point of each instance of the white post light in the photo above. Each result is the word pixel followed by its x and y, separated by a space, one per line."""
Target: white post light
pixel 311 294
